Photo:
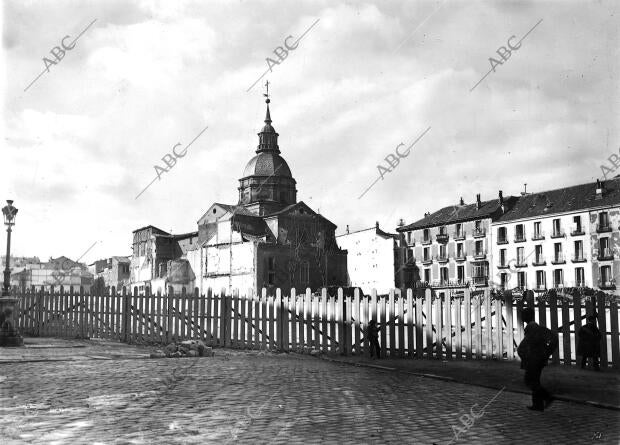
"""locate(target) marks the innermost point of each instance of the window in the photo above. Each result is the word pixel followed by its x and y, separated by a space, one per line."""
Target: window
pixel 521 280
pixel 520 258
pixel 460 273
pixel 442 251
pixel 606 276
pixel 459 230
pixel 577 224
pixel 503 279
pixel 478 225
pixel 580 278
pixel 605 251
pixel 409 238
pixel 426 235
pixel 427 275
pixel 479 248
pixel 541 282
pixel 578 250
pixel 519 232
pixel 537 233
pixel 501 235
pixel 502 257
pixel 442 230
pixel 443 275
pixel 539 254
pixel 459 250
pixel 557 252
pixel 558 278
pixel 557 229
pixel 271 270
pixel 426 254
pixel 603 220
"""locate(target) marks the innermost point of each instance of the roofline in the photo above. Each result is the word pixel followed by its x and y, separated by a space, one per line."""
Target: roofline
pixel 375 228
pixel 548 215
pixel 146 227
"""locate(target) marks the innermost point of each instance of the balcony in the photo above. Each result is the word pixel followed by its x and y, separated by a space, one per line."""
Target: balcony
pixel 607 284
pixel 602 228
pixel 605 254
pixel 502 241
pixel 559 233
pixel 480 281
pixel 577 231
pixel 558 259
pixel 558 285
pixel 580 284
pixel 503 266
pixel 480 255
pixel 538 236
pixel 540 286
pixel 460 256
pixel 520 238
pixel 442 238
pixel 459 235
pixel 540 261
pixel 480 233
pixel 427 260
pixel 449 283
pixel 578 258
pixel 521 263
pixel 441 258
pixel 426 241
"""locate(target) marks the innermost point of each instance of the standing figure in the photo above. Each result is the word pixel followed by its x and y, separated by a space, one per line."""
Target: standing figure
pixel 373 337
pixel 589 344
pixel 535 349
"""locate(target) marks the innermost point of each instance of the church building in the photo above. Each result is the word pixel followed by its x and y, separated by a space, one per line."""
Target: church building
pixel 267 239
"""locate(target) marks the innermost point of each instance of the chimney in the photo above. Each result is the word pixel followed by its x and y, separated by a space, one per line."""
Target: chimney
pixel 347 228
pixel 600 188
pixel 401 222
pixel 376 224
pixel 501 197
pixel 462 202
pixel 478 203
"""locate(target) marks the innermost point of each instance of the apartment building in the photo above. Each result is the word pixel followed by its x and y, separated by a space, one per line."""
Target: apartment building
pixel 451 246
pixel 374 260
pixel 566 237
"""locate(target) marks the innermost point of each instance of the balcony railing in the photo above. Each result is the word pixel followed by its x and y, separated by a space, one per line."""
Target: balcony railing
pixel 577 231
pixel 558 284
pixel 459 235
pixel 540 261
pixel 480 255
pixel 521 262
pixel 441 258
pixel 558 259
pixel 479 281
pixel 479 233
pixel 520 238
pixel 559 233
pixel 538 236
pixel 427 260
pixel 578 258
pixel 607 284
pixel 540 286
pixel 442 238
pixel 503 265
pixel 502 241
pixel 426 241
pixel 605 254
pixel 460 256
pixel 601 228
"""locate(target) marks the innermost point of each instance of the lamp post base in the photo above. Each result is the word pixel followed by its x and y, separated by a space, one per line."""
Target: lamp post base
pixel 9 335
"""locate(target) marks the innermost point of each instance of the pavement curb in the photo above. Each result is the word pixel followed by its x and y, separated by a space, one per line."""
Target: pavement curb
pixel 453 380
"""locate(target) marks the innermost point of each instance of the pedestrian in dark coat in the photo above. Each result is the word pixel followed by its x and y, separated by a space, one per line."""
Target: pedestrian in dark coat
pixel 373 338
pixel 537 345
pixel 589 344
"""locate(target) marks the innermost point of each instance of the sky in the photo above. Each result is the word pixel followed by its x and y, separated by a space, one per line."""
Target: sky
pixel 81 142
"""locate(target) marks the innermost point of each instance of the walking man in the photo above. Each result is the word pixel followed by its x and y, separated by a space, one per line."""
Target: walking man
pixel 589 344
pixel 535 349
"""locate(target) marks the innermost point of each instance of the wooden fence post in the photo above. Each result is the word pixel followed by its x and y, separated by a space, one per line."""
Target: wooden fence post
pixel 602 325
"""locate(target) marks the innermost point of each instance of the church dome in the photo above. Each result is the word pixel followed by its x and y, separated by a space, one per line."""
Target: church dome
pixel 267 164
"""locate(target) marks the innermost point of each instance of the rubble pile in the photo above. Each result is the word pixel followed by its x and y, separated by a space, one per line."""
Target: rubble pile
pixel 187 348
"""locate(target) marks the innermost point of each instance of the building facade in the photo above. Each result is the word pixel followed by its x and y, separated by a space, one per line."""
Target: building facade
pixel 56 272
pixel 566 237
pixel 375 260
pixel 114 271
pixel 451 247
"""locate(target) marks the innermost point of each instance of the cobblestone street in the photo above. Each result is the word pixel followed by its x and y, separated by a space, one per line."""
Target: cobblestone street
pixel 253 397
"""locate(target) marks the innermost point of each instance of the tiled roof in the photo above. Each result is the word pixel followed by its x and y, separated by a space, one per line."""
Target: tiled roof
pixel 456 213
pixel 236 209
pixel 568 199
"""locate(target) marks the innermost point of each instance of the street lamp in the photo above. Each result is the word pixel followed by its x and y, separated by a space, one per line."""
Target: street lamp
pixel 9 335
pixel 9 212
